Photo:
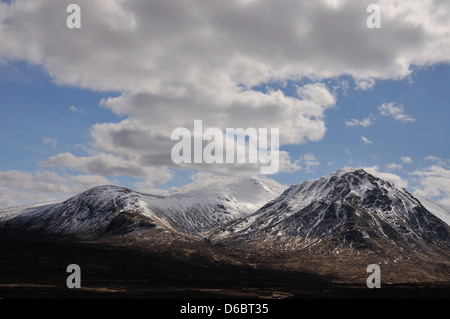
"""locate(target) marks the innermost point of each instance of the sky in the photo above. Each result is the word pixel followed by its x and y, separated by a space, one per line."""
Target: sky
pixel 96 105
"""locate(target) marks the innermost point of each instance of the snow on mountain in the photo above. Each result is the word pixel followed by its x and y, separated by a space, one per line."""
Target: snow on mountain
pixel 346 208
pixel 436 209
pixel 84 213
pixel 208 203
pixel 191 209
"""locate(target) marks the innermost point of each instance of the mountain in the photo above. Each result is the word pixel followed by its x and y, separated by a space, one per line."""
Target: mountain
pixel 348 210
pixel 208 203
pixel 243 236
pixel 189 210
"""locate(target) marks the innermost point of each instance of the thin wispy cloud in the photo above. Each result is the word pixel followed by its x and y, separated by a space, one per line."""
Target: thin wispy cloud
pixel 52 142
pixel 393 166
pixel 355 122
pixel 366 140
pixel 397 112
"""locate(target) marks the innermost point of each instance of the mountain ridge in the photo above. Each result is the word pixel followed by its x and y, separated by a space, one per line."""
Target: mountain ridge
pixel 333 226
pixel 348 208
pixel 188 210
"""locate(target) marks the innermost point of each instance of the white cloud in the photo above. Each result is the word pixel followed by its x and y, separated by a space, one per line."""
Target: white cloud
pixel 395 179
pixel 310 162
pixel 50 141
pixel 393 166
pixel 406 159
pixel 434 183
pixel 78 110
pixel 164 45
pixel 317 93
pixel 355 122
pixel 366 140
pixel 364 83
pixel 172 62
pixel 437 160
pixel 146 132
pixel 109 165
pixel 20 187
pixel 395 111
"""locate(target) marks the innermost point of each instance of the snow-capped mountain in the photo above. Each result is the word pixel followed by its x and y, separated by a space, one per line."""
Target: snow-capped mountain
pixel 205 204
pixel 192 209
pixel 332 226
pixel 349 208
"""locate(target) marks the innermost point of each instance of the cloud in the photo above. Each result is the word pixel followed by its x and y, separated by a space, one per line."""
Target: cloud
pixel 395 111
pixel 310 162
pixel 364 83
pixel 355 122
pixel 434 183
pixel 366 140
pixel 160 46
pixel 109 165
pixel 406 159
pixel 317 93
pixel 146 132
pixel 74 109
pixel 393 166
pixel 395 179
pixel 20 187
pixel 437 160
pixel 50 141
pixel 172 62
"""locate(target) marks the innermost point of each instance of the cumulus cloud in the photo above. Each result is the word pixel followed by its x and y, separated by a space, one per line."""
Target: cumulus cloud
pixel 20 187
pixel 172 62
pixel 109 165
pixel 162 46
pixel 299 118
pixel 434 183
pixel 395 179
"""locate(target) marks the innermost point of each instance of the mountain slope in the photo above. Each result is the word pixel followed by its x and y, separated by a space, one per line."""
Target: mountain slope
pixel 209 203
pixel 349 209
pixel 111 209
pixel 436 209
pixel 333 227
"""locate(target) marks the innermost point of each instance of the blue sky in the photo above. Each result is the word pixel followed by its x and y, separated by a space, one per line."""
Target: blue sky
pixel 97 105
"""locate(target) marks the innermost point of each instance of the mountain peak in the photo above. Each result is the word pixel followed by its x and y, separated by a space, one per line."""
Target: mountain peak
pixel 349 208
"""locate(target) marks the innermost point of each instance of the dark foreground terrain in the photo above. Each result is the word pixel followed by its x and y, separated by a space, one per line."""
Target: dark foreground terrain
pixel 37 269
